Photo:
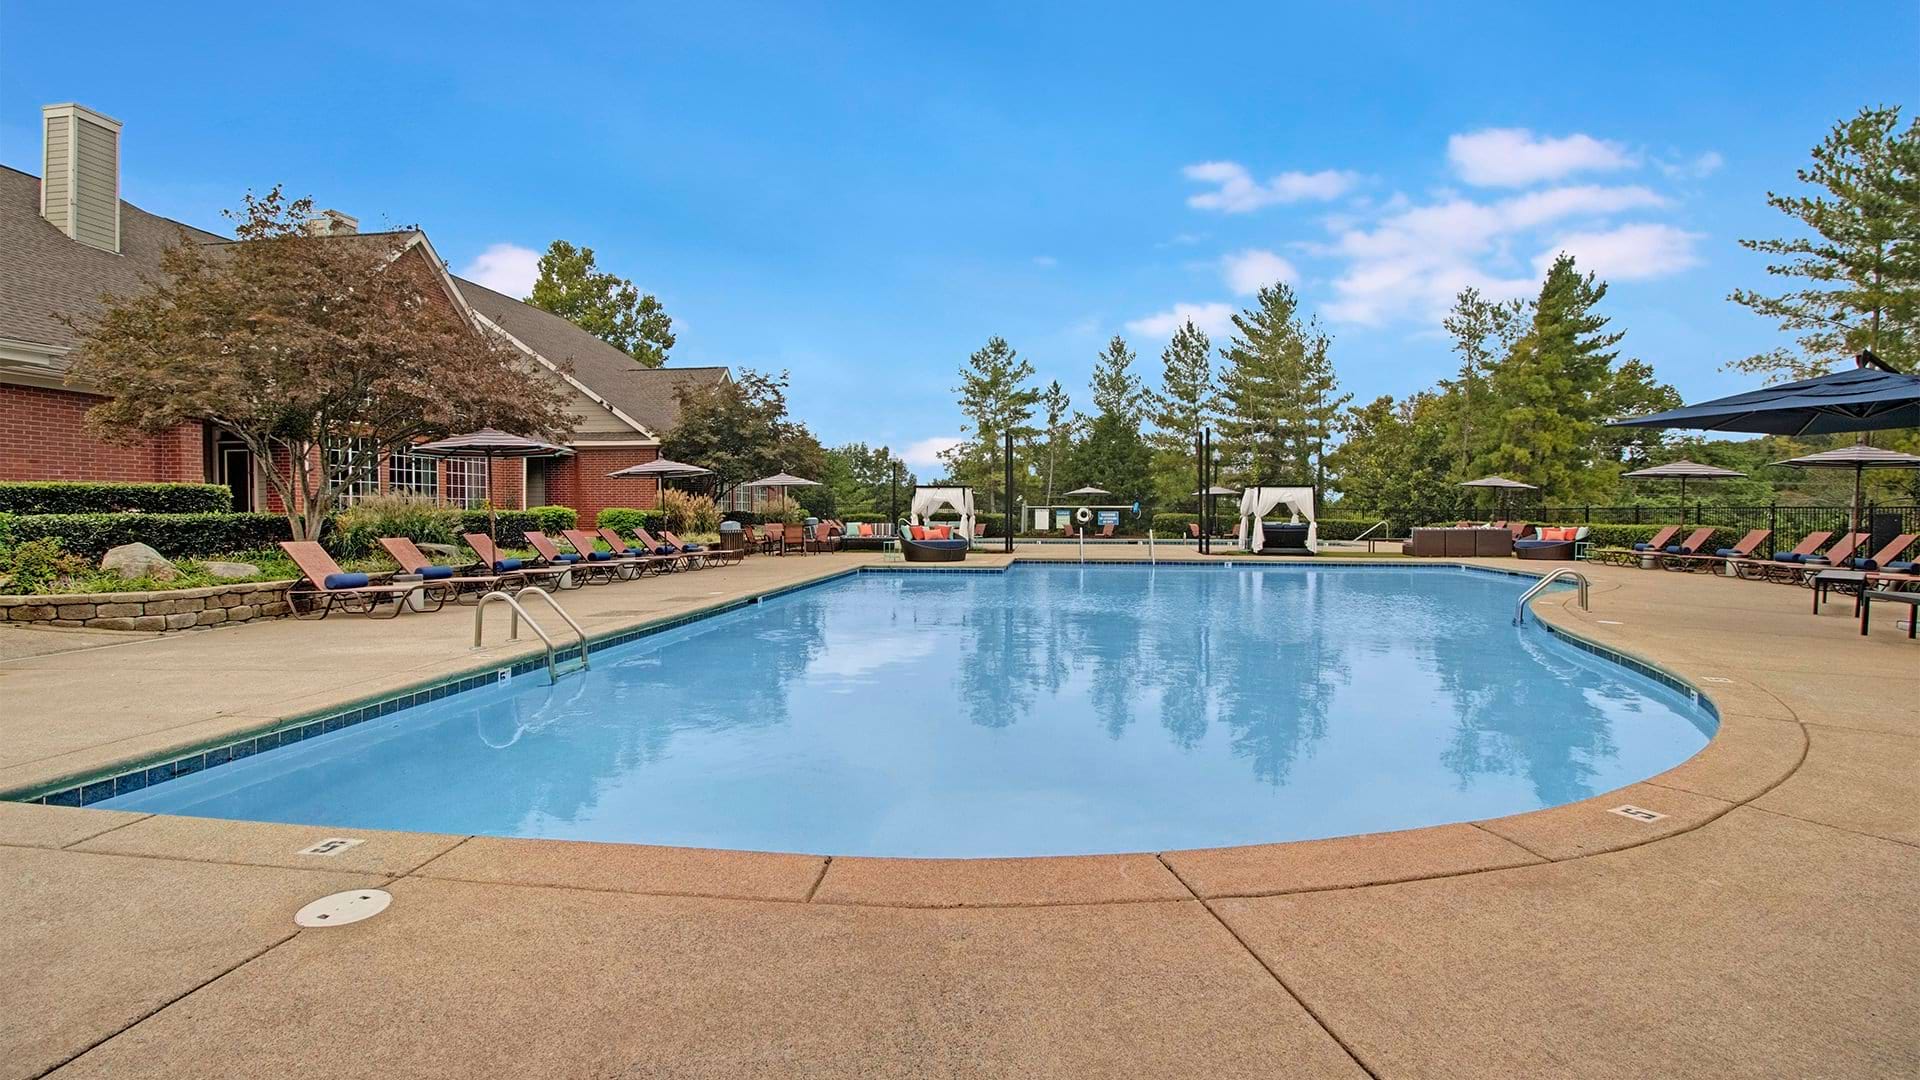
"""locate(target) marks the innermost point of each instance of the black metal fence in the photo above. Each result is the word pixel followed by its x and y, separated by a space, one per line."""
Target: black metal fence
pixel 1789 524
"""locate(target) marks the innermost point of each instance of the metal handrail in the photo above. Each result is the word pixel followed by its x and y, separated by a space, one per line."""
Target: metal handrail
pixel 1370 528
pixel 1520 608
pixel 513 626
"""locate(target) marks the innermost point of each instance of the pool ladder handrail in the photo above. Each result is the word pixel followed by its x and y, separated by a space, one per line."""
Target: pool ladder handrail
pixel 513 626
pixel 1520 608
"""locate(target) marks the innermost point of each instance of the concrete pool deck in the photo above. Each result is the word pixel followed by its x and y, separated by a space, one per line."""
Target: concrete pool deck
pixel 1766 925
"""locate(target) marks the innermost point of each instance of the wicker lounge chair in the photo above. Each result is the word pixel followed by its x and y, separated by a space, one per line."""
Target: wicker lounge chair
pixel 447 581
pixel 324 586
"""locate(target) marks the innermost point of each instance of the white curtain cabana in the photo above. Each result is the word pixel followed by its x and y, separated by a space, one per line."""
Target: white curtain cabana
pixel 928 501
pixel 1258 502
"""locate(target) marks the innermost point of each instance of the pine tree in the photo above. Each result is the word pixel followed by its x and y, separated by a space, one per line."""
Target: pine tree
pixel 996 400
pixel 1483 333
pixel 1278 393
pixel 1116 390
pixel 605 305
pixel 1059 430
pixel 1548 394
pixel 1860 267
pixel 1179 411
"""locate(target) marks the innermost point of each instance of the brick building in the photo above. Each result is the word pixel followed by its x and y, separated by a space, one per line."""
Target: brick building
pixel 68 238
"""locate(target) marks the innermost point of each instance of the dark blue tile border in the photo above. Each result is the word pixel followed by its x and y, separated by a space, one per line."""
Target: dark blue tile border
pixel 90 791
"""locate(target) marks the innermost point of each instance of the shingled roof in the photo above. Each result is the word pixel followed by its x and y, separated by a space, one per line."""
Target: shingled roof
pixel 45 274
pixel 649 395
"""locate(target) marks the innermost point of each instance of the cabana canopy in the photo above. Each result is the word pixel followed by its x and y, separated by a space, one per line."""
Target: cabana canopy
pixel 928 501
pixel 1257 502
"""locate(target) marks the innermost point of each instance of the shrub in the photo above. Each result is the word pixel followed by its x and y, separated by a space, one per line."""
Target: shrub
pixel 34 564
pixel 624 520
pixel 63 497
pixel 357 529
pixel 513 524
pixel 1621 536
pixel 169 534
pixel 785 510
pixel 689 513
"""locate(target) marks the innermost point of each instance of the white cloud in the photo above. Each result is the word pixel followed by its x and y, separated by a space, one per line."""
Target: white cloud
pixel 1697 167
pixel 1237 192
pixel 1515 157
pixel 1412 262
pixel 1627 253
pixel 1249 271
pixel 1216 319
pixel 925 454
pixel 505 268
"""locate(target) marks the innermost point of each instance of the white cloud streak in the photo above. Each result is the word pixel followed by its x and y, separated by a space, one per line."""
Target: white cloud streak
pixel 1515 157
pixel 505 268
pixel 1237 192
pixel 1214 318
pixel 1627 253
pixel 925 454
pixel 1249 271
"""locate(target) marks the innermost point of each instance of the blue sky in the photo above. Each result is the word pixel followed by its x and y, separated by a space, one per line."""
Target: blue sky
pixel 863 195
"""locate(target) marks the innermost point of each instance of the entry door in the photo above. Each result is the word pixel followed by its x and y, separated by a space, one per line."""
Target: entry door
pixel 536 481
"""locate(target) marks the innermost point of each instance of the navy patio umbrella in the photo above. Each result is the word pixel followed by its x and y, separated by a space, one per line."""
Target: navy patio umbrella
pixel 1869 397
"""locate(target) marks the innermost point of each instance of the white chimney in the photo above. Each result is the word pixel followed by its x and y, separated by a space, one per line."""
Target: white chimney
pixel 332 223
pixel 80 175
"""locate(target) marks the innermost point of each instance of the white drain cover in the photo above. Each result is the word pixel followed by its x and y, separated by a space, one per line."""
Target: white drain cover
pixel 344 907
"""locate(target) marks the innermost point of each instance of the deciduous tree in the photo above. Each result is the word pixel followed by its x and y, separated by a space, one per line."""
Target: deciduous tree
pixel 740 428
pixel 290 341
pixel 605 305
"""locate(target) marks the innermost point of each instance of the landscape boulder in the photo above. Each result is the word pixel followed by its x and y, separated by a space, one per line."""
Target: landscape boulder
pixel 230 570
pixel 138 560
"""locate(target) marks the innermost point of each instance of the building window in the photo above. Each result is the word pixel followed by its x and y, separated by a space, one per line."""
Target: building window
pixel 413 474
pixel 466 482
pixel 353 464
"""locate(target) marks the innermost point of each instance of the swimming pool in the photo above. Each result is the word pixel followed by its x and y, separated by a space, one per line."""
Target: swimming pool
pixel 1045 710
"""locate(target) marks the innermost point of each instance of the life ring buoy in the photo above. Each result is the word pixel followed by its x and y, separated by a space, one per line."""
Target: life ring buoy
pixel 1083 515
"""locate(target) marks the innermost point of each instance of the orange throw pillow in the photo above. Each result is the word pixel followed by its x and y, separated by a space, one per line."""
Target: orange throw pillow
pixel 941 532
pixel 866 528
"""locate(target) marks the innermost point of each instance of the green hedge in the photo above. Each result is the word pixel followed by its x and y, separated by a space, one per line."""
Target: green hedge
pixel 63 497
pixel 513 524
pixel 170 534
pixel 624 519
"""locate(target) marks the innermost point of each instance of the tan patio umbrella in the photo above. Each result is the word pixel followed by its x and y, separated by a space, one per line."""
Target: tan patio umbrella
pixel 1859 457
pixel 490 443
pixel 1683 471
pixel 1502 485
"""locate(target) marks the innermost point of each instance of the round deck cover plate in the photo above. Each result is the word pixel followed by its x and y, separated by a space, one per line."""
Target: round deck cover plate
pixel 344 907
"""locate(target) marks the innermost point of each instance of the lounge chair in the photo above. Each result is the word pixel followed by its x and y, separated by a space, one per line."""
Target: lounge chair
pixel 326 587
pixel 712 556
pixel 1741 551
pixel 1630 556
pixel 447 581
pixel 1695 540
pixel 561 576
pixel 1106 531
pixel 680 558
pixel 628 562
pixel 1764 569
pixel 1834 558
pixel 588 562
pixel 1885 568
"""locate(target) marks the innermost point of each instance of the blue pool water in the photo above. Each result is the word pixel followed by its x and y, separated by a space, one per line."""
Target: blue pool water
pixel 1046 710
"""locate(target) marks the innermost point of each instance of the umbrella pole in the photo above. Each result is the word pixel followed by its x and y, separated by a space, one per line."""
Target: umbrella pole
pixel 493 512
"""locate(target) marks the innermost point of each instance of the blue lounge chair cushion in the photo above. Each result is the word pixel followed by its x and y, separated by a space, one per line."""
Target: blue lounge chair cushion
pixel 345 581
pixel 1642 546
pixel 506 564
pixel 435 573
pixel 1675 549
pixel 1900 567
pixel 566 558
pixel 692 547
pixel 666 549
pixel 1864 564
pixel 600 556
pixel 1810 559
pixel 1789 556
pixel 631 551
pixel 1727 553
